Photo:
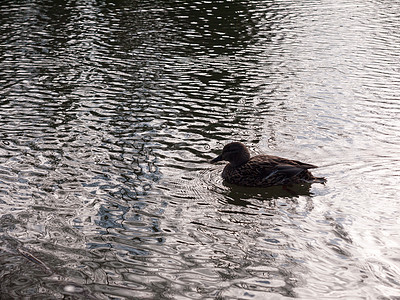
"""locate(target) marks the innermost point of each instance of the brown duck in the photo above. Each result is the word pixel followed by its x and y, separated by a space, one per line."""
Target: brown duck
pixel 262 170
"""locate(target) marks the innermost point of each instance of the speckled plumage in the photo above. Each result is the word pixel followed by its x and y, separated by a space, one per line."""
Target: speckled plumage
pixel 262 170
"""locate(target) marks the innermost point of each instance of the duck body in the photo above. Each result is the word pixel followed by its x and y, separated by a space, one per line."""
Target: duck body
pixel 262 170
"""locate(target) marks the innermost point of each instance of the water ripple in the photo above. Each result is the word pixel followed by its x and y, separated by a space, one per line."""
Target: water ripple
pixel 110 113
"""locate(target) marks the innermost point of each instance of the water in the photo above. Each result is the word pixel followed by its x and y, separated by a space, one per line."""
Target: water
pixel 111 111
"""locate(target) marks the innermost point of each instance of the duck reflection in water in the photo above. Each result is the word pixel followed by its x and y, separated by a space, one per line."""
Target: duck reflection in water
pixel 263 170
pixel 245 196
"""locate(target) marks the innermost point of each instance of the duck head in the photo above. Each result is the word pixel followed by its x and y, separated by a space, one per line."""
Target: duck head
pixel 236 153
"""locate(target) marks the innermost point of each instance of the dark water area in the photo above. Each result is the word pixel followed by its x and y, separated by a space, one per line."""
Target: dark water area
pixel 110 112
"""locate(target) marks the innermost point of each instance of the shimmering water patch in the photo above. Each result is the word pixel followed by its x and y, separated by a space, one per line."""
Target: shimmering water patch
pixel 110 113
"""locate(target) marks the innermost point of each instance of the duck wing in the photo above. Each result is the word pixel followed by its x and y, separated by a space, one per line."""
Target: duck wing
pixel 273 170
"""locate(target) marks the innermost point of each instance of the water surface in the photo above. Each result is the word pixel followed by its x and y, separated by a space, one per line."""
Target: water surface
pixel 111 111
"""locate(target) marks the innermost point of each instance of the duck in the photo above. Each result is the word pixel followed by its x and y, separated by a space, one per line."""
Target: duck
pixel 262 170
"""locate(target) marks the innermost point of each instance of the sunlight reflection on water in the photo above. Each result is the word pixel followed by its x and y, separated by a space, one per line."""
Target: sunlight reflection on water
pixel 110 113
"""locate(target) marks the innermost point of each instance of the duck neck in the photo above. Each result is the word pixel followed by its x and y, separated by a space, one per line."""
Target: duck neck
pixel 241 159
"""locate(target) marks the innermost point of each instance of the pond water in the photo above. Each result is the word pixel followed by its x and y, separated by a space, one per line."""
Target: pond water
pixel 110 112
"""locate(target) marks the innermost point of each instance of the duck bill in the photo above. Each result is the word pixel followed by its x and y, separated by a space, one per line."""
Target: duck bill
pixel 217 159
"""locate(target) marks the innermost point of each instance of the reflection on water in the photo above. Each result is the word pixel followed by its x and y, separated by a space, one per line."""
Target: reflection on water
pixel 110 112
